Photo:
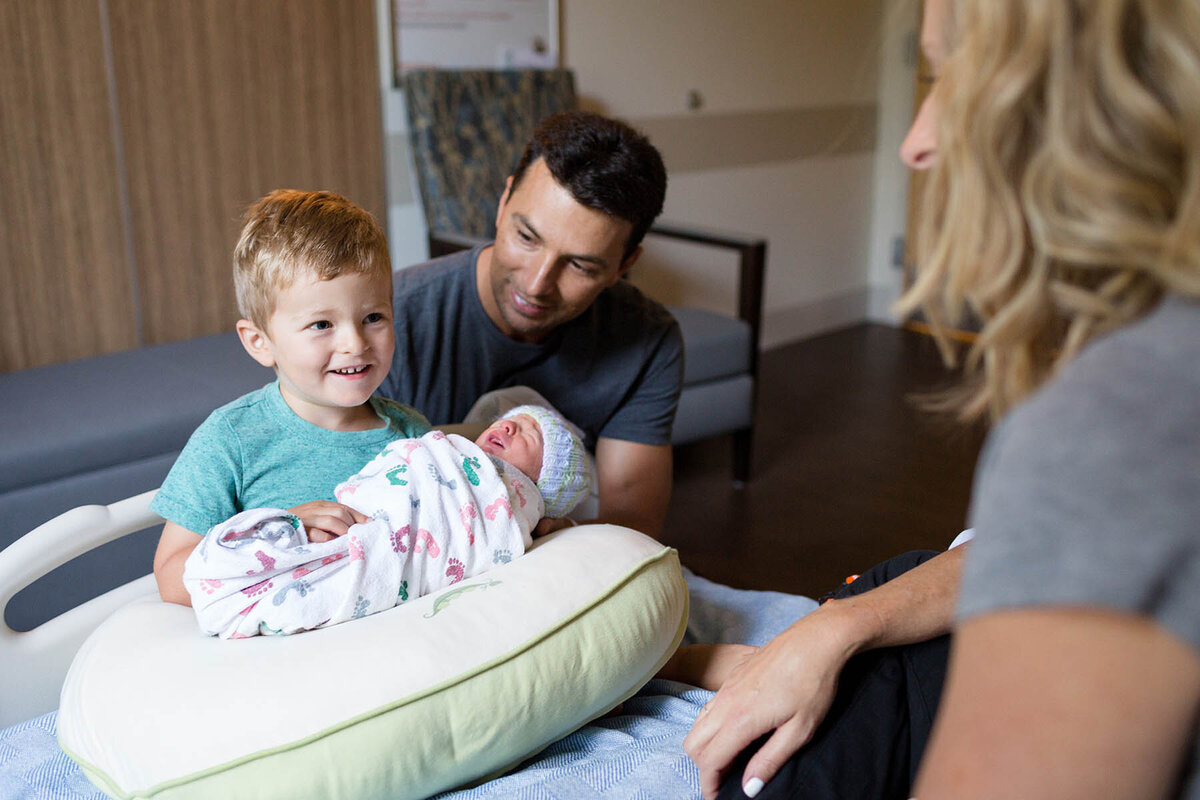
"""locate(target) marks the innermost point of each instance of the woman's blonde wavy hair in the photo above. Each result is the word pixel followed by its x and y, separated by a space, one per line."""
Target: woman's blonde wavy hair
pixel 1066 199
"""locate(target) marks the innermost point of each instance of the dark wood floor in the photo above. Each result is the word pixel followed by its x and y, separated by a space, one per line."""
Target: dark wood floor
pixel 846 472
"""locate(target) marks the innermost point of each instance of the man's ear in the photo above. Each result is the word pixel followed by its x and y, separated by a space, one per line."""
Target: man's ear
pixel 628 262
pixel 504 197
pixel 256 342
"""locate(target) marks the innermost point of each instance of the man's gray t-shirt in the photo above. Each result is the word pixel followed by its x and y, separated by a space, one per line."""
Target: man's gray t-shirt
pixel 615 371
pixel 1089 493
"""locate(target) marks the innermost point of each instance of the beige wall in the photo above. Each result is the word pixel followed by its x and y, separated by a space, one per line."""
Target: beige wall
pixel 640 57
pixel 786 144
pixel 783 145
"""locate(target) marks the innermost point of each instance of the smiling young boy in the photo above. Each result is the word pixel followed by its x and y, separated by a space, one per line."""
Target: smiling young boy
pixel 314 287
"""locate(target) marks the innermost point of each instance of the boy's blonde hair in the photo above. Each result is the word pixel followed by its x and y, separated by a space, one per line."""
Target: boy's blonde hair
pixel 290 233
pixel 1066 200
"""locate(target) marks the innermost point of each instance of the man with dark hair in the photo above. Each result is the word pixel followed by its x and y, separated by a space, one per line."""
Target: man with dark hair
pixel 544 306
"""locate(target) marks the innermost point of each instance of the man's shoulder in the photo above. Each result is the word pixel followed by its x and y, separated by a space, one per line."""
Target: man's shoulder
pixel 627 302
pixel 434 275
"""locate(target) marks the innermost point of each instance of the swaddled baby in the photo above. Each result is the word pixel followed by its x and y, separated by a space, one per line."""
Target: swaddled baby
pixel 442 509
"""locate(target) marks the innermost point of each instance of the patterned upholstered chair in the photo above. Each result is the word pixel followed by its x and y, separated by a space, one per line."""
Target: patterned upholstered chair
pixel 467 130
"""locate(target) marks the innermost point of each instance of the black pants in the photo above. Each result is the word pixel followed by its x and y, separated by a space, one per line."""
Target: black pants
pixel 870 743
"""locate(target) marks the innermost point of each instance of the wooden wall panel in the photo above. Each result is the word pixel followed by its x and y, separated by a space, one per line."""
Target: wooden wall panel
pixel 222 101
pixel 65 288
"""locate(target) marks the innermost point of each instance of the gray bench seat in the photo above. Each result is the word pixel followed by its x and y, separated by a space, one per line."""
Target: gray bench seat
pixel 98 430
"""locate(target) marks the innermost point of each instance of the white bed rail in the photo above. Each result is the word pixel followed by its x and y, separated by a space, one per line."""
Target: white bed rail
pixel 34 663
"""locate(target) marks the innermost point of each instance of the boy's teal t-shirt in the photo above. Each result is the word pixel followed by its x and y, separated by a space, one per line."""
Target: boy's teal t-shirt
pixel 256 453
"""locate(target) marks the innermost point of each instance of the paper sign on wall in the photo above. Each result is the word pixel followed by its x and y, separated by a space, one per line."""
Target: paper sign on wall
pixel 480 34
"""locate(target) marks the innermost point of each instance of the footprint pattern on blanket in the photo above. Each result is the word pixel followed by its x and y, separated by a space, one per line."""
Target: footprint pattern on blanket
pixel 494 509
pixel 305 569
pixel 300 587
pixel 455 571
pixel 501 557
pixel 404 539
pixel 468 513
pixel 470 464
pixel 210 585
pixel 451 484
pixel 393 475
pixel 255 589
pixel 360 607
pixel 268 563
pixel 403 593
pixel 408 451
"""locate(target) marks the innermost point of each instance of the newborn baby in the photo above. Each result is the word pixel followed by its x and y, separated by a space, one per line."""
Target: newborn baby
pixel 442 509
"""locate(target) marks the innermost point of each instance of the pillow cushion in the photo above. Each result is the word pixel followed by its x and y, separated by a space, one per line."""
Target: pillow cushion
pixel 434 693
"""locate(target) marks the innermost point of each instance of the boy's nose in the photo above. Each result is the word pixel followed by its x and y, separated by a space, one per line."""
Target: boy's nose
pixel 352 340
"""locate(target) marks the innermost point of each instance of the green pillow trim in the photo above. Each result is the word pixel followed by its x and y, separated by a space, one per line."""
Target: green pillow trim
pixel 347 759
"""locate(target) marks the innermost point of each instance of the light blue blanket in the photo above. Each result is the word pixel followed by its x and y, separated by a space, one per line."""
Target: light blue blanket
pixel 637 753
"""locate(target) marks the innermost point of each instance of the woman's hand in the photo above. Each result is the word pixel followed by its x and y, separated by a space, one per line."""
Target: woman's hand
pixel 787 686
pixel 325 520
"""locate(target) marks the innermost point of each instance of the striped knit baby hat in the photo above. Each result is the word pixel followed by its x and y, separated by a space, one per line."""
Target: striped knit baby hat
pixel 567 475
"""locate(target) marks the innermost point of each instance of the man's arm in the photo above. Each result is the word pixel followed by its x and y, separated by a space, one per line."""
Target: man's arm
pixel 634 484
pixel 1062 703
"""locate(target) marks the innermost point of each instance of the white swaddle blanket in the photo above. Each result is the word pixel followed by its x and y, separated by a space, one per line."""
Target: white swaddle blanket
pixel 441 510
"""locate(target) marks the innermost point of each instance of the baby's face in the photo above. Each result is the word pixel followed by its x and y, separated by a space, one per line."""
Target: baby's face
pixel 517 440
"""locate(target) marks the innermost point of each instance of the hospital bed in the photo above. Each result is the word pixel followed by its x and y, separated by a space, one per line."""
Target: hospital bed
pixel 634 752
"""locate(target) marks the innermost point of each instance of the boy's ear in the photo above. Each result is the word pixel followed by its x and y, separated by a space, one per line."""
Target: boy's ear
pixel 256 342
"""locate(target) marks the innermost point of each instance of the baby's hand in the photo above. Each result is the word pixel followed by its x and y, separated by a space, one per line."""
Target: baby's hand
pixel 325 520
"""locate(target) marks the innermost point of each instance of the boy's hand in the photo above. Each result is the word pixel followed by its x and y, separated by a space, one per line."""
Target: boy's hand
pixel 325 520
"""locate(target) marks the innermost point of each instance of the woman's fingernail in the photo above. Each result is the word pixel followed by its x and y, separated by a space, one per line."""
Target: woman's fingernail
pixel 752 787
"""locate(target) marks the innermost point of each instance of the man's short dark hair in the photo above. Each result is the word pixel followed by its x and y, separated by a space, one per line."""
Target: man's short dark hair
pixel 605 165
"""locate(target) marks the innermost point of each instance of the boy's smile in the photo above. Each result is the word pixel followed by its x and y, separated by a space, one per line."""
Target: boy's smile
pixel 331 344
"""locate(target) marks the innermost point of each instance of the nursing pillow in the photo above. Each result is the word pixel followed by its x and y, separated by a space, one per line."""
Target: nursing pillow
pixel 435 693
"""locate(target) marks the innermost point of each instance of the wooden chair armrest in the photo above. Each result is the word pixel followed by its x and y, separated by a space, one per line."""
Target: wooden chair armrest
pixel 752 263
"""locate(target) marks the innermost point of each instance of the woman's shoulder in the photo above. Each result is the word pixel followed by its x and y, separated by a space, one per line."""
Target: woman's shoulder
pixel 1086 493
pixel 1112 436
pixel 1146 372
